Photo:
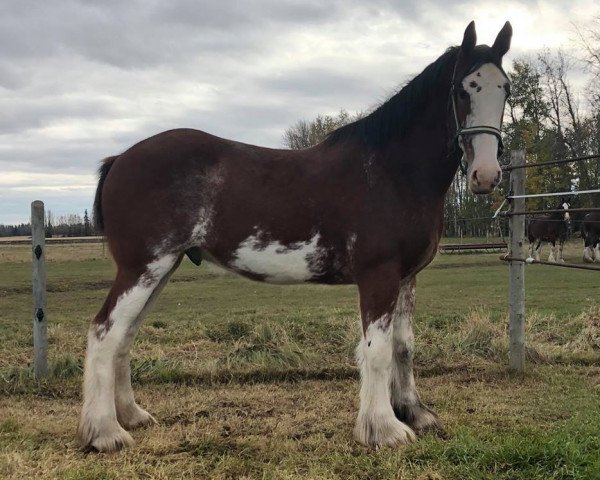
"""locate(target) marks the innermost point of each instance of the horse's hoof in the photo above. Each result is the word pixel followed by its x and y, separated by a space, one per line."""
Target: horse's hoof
pixel 378 431
pixel 113 442
pixel 420 418
pixel 104 438
pixel 137 418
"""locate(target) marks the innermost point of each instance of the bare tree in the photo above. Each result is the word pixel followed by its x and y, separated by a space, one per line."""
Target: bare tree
pixel 305 134
pixel 589 40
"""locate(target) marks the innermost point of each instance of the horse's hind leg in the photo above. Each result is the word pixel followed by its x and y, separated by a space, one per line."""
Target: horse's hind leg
pixel 559 254
pixel 109 338
pixel 405 400
pixel 538 251
pixel 588 253
pixel 129 414
pixel 552 257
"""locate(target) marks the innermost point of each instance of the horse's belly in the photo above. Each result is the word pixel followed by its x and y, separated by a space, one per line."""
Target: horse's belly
pixel 274 262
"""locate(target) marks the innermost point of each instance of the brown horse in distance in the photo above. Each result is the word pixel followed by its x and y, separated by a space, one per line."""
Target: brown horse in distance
pixel 364 207
pixel 552 228
pixel 590 231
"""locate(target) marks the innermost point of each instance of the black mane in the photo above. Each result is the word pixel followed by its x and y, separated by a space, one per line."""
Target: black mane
pixel 394 117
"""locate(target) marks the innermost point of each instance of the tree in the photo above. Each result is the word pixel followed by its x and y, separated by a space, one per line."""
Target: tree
pixel 305 134
pixel 49 224
pixel 589 172
pixel 87 229
pixel 589 39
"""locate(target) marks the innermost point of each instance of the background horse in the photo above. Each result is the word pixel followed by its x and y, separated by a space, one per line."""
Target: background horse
pixel 590 231
pixel 552 228
pixel 363 207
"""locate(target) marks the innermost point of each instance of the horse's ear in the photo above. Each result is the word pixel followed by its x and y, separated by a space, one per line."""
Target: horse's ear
pixel 502 43
pixel 469 39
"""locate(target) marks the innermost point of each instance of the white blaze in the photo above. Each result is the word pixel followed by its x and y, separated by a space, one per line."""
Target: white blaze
pixel 566 207
pixel 487 104
pixel 486 89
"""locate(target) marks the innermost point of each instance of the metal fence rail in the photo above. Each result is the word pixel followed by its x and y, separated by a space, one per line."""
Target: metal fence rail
pixel 511 167
pixel 553 194
pixel 552 210
pixel 508 258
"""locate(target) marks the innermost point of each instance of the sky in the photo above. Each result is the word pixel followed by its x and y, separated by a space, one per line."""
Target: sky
pixel 83 80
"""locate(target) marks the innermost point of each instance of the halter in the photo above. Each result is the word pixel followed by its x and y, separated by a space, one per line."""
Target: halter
pixel 460 131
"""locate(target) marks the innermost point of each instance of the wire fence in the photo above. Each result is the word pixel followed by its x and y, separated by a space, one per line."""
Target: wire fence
pixel 509 258
pixel 552 210
pixel 554 194
pixel 509 167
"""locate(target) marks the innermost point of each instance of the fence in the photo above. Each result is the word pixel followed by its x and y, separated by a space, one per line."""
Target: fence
pixel 516 215
pixel 514 257
pixel 40 320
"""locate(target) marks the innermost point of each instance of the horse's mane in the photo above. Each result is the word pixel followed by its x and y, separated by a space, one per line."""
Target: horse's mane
pixel 394 116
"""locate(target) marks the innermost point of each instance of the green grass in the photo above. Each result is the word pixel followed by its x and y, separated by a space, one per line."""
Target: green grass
pixel 256 381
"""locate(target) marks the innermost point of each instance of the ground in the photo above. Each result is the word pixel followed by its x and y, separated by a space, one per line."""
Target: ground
pixel 256 381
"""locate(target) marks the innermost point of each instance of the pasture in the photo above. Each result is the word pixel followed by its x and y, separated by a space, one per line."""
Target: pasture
pixel 256 381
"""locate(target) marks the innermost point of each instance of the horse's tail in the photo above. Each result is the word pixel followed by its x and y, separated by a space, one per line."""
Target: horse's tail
pixel 102 173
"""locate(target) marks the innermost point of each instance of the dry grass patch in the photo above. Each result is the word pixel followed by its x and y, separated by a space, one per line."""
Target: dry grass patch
pixel 288 430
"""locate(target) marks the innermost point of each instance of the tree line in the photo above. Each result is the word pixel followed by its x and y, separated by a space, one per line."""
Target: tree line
pixel 545 116
pixel 71 225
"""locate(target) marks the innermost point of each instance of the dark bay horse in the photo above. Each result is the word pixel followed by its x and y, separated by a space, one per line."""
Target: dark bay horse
pixel 364 207
pixel 590 231
pixel 552 228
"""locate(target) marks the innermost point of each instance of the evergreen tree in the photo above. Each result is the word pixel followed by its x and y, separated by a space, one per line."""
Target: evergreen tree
pixel 49 225
pixel 87 229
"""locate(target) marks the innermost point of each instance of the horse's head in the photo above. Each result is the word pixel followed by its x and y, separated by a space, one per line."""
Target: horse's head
pixel 564 204
pixel 480 88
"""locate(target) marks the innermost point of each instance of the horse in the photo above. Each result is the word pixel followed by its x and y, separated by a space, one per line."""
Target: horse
pixel 590 231
pixel 552 228
pixel 363 207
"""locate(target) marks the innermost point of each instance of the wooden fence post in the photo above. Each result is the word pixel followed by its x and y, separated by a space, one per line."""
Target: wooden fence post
pixel 517 269
pixel 40 320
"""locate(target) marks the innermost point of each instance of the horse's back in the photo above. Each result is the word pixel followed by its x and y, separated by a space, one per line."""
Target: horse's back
pixel 169 188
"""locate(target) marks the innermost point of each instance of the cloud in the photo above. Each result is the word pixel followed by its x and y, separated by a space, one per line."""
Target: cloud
pixel 82 80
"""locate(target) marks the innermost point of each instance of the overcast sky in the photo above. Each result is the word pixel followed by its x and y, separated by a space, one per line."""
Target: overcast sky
pixel 82 80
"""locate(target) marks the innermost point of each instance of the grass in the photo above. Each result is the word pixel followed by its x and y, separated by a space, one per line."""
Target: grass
pixel 255 381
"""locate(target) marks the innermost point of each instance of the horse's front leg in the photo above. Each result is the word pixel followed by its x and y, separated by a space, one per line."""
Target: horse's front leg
pixel 531 250
pixel 405 400
pixel 538 251
pixel 377 424
pixel 559 254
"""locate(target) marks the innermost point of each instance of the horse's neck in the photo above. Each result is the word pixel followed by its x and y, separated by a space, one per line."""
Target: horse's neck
pixel 423 158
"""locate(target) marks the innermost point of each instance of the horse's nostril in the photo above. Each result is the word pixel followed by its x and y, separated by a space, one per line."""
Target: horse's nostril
pixel 475 176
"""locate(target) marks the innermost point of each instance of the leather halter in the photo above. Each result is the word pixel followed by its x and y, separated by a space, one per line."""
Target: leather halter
pixel 460 130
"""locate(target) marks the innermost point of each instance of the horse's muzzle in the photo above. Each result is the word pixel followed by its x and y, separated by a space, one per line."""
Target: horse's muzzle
pixel 484 180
